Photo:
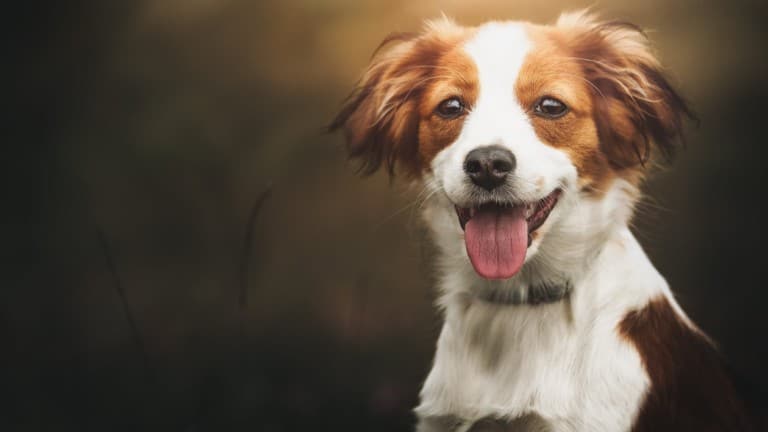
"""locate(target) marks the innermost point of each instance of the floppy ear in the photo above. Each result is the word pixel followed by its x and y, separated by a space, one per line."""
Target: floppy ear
pixel 380 118
pixel 635 106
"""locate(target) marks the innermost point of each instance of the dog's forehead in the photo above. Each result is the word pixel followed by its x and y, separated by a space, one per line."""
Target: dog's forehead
pixel 499 50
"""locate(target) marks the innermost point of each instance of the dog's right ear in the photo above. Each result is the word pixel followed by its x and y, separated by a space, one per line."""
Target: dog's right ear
pixel 380 117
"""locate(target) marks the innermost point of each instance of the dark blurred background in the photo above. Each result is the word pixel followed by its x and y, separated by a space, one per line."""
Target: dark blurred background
pixel 141 134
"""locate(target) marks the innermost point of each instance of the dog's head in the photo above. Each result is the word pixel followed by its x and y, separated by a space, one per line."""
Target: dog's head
pixel 525 132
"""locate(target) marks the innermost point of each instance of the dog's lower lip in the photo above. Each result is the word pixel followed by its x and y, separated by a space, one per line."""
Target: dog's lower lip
pixel 536 212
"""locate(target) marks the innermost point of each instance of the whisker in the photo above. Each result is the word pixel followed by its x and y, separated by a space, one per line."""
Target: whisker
pixel 418 202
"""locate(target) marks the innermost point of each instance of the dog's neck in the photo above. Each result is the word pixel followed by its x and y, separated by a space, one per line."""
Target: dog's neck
pixel 540 293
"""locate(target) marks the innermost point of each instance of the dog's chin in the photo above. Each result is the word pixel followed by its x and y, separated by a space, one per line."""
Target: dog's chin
pixel 498 236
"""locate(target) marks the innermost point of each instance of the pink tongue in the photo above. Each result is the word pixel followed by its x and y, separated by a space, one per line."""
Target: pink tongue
pixel 496 241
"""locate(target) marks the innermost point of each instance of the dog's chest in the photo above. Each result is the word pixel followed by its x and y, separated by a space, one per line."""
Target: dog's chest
pixel 574 373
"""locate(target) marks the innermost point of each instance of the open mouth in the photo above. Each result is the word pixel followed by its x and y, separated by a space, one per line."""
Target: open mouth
pixel 497 236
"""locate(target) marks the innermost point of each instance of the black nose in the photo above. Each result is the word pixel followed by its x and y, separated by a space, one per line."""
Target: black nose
pixel 488 166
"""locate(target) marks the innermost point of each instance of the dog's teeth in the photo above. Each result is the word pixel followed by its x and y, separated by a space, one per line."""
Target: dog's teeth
pixel 529 210
pixel 472 211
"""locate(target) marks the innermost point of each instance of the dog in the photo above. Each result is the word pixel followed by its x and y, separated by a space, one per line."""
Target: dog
pixel 533 142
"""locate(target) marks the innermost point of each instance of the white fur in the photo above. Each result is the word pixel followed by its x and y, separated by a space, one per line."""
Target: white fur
pixel 563 365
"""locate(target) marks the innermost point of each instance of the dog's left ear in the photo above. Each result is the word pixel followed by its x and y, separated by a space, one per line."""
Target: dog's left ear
pixel 635 107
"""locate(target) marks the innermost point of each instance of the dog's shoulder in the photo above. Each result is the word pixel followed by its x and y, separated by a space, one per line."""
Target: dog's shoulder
pixel 691 386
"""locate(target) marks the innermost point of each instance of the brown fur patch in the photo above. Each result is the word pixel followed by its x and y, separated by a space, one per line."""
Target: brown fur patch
pixel 635 105
pixel 548 71
pixel 390 118
pixel 621 103
pixel 690 388
pixel 455 75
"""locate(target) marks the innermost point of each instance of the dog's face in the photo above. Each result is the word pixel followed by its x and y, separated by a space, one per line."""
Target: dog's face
pixel 519 129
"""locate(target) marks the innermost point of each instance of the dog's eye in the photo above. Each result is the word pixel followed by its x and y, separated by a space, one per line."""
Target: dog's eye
pixel 450 108
pixel 550 107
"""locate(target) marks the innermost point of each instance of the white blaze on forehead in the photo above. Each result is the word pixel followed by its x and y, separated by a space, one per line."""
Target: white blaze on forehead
pixel 498 50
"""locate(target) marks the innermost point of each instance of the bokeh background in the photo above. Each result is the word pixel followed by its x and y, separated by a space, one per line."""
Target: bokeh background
pixel 143 133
